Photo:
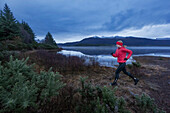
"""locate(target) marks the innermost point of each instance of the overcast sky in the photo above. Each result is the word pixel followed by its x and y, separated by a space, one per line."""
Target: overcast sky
pixel 73 20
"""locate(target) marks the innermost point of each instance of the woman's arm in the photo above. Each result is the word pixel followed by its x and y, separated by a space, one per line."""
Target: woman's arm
pixel 128 51
pixel 114 54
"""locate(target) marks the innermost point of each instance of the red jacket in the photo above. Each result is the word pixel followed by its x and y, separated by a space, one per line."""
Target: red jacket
pixel 121 54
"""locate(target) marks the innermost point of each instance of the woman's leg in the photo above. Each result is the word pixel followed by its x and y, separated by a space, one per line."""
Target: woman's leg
pixel 118 70
pixel 130 75
pixel 127 73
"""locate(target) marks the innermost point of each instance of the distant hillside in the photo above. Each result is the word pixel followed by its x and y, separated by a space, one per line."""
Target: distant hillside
pixel 130 41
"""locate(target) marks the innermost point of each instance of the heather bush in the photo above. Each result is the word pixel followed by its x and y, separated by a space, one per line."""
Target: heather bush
pixel 22 89
pixel 60 63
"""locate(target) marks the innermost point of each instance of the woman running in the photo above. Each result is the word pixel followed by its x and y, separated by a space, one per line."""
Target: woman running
pixel 121 59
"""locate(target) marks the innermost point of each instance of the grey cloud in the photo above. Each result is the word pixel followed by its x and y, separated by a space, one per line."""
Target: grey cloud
pixel 88 17
pixel 136 19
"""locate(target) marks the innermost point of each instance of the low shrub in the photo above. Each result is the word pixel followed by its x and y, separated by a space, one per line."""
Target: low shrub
pixel 4 55
pixel 137 64
pixel 129 66
pixel 60 63
pixel 146 104
pixel 99 99
pixel 46 46
pixel 135 69
pixel 11 47
pixel 24 90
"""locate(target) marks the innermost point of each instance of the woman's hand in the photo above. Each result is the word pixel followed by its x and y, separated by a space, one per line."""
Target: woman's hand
pixel 125 59
pixel 111 53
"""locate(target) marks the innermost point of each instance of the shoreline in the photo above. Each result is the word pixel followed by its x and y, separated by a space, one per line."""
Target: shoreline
pixel 151 55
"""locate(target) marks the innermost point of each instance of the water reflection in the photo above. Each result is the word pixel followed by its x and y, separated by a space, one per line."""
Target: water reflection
pixel 106 50
pixel 102 53
pixel 104 60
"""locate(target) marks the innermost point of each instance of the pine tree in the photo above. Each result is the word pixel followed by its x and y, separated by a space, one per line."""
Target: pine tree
pixel 28 29
pixel 8 25
pixel 49 39
pixel 0 23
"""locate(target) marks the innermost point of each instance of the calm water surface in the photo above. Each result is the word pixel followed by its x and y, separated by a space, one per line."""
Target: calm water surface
pixel 102 53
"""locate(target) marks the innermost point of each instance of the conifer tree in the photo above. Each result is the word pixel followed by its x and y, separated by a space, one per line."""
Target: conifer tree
pixel 28 29
pixel 8 25
pixel 49 39
pixel 0 22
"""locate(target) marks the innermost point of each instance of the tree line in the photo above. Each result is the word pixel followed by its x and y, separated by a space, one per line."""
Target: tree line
pixel 12 31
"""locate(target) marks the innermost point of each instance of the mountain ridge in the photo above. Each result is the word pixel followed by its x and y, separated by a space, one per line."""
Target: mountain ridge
pixel 108 41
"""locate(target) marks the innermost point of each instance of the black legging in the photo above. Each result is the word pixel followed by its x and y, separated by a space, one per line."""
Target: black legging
pixel 120 68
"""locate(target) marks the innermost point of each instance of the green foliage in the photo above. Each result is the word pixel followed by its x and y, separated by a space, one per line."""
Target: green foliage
pixel 47 82
pixel 49 39
pixel 161 58
pixel 46 46
pixel 146 104
pixel 8 25
pixel 28 29
pixel 137 64
pixel 109 97
pixel 21 87
pixel 100 108
pixel 122 104
pixel 99 99
pixel 129 66
pixel 88 97
pixel 17 89
pixel 19 36
pixel 4 55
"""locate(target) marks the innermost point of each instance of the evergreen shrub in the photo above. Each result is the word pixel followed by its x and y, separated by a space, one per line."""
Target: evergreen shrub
pixel 22 88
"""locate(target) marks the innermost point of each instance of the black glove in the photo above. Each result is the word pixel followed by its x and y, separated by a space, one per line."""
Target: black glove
pixel 111 53
pixel 125 59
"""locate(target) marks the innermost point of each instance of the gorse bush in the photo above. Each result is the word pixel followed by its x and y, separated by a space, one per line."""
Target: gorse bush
pixel 135 69
pixel 129 66
pixel 122 104
pixel 99 99
pixel 137 64
pixel 88 97
pixel 4 55
pixel 48 84
pixel 21 88
pixel 147 105
pixel 95 99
